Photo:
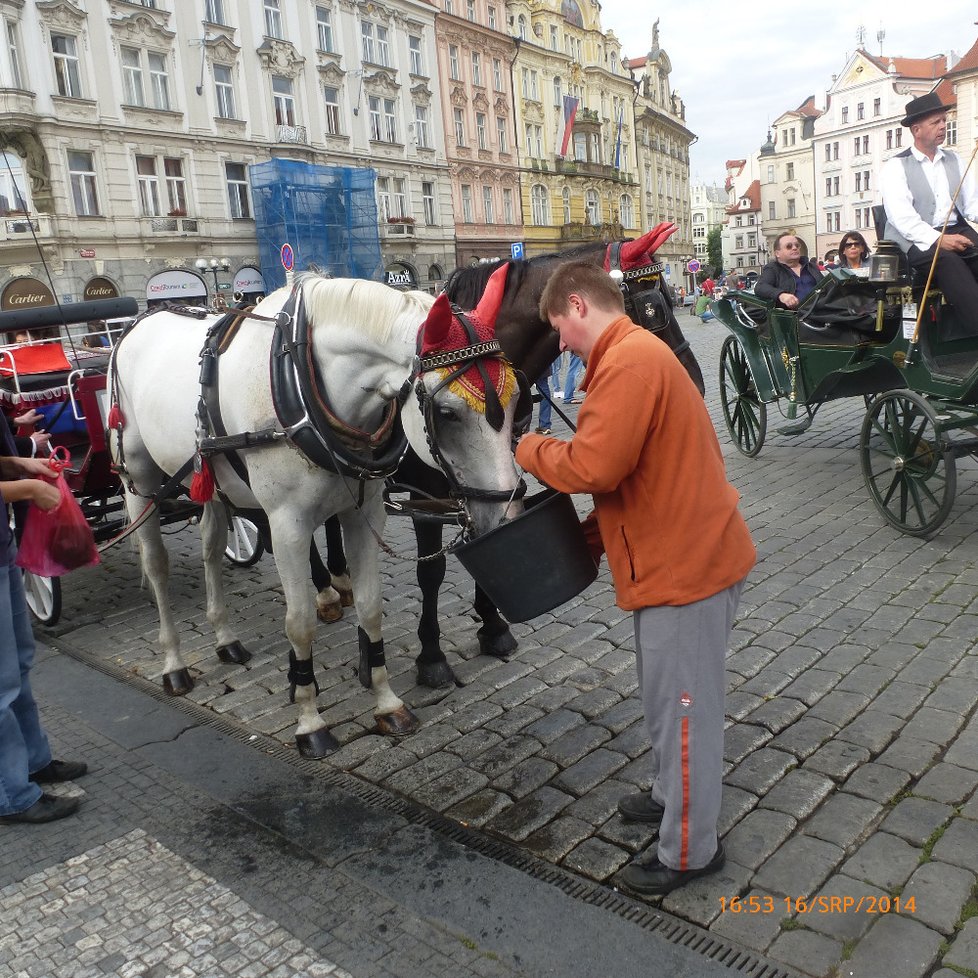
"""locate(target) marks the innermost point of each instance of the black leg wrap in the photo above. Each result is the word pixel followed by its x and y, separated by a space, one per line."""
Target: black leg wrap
pixel 300 674
pixel 371 657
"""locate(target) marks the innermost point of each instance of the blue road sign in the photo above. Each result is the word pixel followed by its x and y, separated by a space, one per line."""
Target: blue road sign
pixel 517 249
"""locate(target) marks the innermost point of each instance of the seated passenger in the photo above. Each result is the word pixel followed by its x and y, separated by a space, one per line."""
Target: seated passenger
pixel 854 253
pixel 790 276
pixel 917 185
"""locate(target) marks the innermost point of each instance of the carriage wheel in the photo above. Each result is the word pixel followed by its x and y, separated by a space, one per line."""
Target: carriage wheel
pixel 744 412
pixel 245 546
pixel 43 597
pixel 907 463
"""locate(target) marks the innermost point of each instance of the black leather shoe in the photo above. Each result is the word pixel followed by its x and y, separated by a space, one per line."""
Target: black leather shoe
pixel 640 808
pixel 47 808
pixel 651 878
pixel 59 771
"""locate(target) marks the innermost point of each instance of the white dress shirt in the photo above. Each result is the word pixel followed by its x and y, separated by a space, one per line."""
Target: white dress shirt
pixel 899 202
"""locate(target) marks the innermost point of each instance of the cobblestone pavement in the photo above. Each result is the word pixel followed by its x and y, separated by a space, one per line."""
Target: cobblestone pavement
pixel 850 812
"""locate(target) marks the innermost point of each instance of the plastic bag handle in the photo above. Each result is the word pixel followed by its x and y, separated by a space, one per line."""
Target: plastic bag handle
pixel 59 459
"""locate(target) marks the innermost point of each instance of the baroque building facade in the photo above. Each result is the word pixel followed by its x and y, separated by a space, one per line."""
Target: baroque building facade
pixel 135 123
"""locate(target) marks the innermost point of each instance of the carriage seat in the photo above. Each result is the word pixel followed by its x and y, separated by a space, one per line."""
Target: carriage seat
pixel 810 333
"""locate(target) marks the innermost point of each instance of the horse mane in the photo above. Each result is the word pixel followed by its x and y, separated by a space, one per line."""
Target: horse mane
pixel 465 286
pixel 378 310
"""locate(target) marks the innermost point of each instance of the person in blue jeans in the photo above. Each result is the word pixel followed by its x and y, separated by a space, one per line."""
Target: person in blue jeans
pixel 545 418
pixel 570 382
pixel 25 755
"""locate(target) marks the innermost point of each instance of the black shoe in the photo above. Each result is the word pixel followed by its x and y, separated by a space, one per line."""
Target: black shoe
pixel 651 878
pixel 640 808
pixel 57 771
pixel 47 808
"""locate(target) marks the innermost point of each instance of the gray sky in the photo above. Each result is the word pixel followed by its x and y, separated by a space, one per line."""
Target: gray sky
pixel 738 73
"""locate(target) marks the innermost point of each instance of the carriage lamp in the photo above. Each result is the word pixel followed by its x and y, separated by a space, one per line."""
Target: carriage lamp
pixel 884 265
pixel 214 265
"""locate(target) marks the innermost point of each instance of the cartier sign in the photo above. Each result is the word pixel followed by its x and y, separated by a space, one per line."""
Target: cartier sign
pixel 26 293
pixel 100 288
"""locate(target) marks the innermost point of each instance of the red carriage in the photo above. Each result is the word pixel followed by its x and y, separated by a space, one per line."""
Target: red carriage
pixel 55 360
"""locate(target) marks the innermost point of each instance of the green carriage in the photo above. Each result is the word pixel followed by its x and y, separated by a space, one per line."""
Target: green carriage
pixel 854 337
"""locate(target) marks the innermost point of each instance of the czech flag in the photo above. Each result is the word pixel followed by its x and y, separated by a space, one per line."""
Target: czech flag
pixel 570 113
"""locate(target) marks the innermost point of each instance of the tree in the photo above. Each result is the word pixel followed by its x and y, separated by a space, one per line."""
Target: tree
pixel 714 250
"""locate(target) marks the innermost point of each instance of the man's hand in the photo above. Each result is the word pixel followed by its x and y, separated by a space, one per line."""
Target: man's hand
pixel 42 442
pixel 44 495
pixel 788 300
pixel 36 468
pixel 955 242
pixel 28 418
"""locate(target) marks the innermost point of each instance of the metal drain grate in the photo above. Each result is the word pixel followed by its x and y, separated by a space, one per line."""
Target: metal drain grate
pixel 674 930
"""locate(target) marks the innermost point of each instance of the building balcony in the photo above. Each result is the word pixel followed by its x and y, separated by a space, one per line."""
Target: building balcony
pixel 291 134
pixel 583 231
pixel 398 228
pixel 17 227
pixel 586 168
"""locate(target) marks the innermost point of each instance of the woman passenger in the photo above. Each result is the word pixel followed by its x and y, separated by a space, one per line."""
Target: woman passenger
pixel 854 253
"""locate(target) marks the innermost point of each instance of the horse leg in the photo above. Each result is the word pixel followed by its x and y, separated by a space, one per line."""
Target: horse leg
pixel 433 669
pixel 177 680
pixel 393 717
pixel 336 561
pixel 213 539
pixel 291 540
pixel 329 607
pixel 495 637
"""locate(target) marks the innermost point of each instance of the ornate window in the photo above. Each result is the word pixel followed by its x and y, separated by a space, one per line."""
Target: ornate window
pixel 16 78
pixel 502 130
pixel 331 104
pixel 417 61
pixel 422 126
pixel 13 186
pixel 224 91
pixel 273 19
pixel 324 28
pixel 428 201
pixel 488 206
pixel 626 211
pixel 482 132
pixel 566 203
pixel 508 212
pixel 84 190
pixel 383 121
pixel 237 183
pixel 66 73
pixel 214 12
pixel 283 100
pixel 540 204
pixel 136 65
pixel 467 213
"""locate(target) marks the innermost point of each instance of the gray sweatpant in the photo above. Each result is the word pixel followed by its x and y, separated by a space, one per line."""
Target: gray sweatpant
pixel 680 654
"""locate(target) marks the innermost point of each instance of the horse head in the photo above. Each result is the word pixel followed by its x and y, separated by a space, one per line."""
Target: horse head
pixel 468 392
pixel 641 251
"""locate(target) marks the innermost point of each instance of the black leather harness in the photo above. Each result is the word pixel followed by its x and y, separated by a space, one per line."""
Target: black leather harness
pixel 649 307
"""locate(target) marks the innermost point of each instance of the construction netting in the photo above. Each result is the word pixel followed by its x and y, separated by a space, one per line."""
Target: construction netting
pixel 327 214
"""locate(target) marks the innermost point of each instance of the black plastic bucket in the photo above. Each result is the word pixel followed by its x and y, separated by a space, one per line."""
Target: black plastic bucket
pixel 534 562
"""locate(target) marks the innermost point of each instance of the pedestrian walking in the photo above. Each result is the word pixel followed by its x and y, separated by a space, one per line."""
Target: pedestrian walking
pixel 678 549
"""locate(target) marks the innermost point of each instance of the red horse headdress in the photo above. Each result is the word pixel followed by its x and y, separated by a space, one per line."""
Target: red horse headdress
pixel 443 333
pixel 635 254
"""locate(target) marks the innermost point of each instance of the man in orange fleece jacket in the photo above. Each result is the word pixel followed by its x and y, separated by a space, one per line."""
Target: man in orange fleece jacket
pixel 677 547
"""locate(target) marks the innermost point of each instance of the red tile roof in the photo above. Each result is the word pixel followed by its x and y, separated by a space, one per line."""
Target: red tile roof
pixel 968 63
pixel 933 67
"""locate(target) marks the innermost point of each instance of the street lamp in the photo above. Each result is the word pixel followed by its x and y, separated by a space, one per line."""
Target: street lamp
pixel 214 265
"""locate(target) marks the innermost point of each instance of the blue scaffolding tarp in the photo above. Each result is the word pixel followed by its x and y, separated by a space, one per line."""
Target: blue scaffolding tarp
pixel 328 214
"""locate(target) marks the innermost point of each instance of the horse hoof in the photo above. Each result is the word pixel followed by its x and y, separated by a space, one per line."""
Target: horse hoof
pixel 436 675
pixel 400 723
pixel 317 744
pixel 346 597
pixel 233 652
pixel 328 613
pixel 498 645
pixel 178 683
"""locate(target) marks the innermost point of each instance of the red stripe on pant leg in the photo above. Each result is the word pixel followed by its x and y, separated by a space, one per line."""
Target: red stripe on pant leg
pixel 684 848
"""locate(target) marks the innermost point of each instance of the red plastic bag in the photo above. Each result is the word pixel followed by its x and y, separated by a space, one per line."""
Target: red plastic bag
pixel 57 540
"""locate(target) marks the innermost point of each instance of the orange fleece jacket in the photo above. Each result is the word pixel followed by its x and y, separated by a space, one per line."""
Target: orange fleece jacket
pixel 646 450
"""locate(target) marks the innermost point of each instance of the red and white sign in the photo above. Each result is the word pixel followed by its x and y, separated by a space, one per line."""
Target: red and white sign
pixel 248 279
pixel 693 265
pixel 87 253
pixel 288 257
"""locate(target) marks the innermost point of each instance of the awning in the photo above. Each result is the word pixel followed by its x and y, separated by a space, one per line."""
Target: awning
pixel 99 288
pixel 176 285
pixel 248 280
pixel 26 293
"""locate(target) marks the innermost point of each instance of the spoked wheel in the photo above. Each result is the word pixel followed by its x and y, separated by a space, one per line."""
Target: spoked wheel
pixel 907 463
pixel 245 546
pixel 43 597
pixel 744 412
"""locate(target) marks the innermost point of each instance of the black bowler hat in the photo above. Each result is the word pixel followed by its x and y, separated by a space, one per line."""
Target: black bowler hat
pixel 926 105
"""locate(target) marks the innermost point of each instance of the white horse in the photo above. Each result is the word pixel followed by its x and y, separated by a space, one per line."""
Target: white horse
pixel 342 355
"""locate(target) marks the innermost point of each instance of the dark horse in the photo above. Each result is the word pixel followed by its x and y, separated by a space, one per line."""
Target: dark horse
pixel 531 346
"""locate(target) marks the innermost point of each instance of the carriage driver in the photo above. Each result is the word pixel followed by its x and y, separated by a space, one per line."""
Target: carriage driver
pixel 917 185
pixel 677 547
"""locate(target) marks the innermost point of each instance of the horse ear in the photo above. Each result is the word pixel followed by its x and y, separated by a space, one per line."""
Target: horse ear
pixel 488 307
pixel 435 328
pixel 649 243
